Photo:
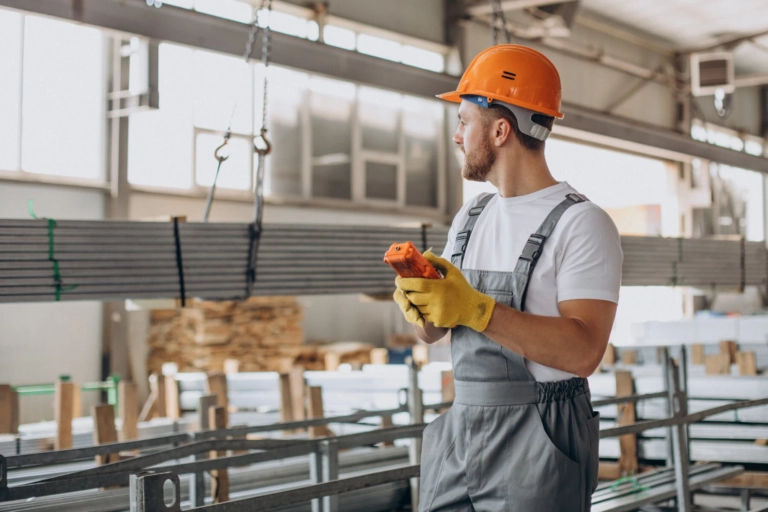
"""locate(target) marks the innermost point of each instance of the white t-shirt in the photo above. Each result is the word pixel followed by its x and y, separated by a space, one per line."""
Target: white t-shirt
pixel 581 259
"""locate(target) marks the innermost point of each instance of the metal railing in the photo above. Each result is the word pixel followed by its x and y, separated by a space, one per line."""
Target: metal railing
pixel 322 452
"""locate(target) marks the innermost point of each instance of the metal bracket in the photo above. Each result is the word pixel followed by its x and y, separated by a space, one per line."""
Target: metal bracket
pixel 146 492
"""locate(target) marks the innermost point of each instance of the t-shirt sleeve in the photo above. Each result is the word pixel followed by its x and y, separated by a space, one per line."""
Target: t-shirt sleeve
pixel 590 258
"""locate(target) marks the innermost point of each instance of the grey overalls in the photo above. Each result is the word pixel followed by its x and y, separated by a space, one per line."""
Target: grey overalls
pixel 509 443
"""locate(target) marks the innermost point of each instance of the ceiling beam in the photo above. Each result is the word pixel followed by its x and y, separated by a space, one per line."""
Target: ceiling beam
pixel 751 80
pixel 510 5
pixel 181 26
pixel 730 42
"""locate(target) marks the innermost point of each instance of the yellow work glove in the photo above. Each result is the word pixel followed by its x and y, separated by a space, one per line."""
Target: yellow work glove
pixel 409 310
pixel 450 301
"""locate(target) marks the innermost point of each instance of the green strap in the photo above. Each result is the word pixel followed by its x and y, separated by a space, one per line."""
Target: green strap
pixel 630 478
pixel 51 253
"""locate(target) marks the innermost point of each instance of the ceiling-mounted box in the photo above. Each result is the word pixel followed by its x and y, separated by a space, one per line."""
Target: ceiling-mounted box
pixel 710 72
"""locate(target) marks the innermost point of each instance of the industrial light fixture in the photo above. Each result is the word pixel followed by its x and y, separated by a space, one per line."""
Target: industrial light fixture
pixel 712 72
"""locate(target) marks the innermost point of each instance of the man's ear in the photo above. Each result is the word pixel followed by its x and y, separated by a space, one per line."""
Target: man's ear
pixel 502 131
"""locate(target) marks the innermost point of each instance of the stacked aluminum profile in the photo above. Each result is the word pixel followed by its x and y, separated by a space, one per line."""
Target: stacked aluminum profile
pixel 43 261
pixel 655 261
pixel 96 260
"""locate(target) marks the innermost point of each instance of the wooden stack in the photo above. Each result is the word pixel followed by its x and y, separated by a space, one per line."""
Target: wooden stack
pixel 263 333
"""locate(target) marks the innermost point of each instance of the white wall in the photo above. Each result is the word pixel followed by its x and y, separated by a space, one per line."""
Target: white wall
pixel 39 342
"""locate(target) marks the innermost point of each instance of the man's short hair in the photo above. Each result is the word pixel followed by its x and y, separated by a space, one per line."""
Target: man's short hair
pixel 494 112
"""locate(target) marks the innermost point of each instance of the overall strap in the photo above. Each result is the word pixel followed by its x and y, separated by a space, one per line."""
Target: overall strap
pixel 462 238
pixel 526 263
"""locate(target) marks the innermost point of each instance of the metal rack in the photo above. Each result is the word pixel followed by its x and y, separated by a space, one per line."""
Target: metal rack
pixel 322 455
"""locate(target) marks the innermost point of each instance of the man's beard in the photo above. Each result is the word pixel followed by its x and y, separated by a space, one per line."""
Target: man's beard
pixel 478 163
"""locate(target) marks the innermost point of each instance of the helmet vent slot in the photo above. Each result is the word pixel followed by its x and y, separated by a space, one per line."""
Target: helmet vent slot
pixel 508 75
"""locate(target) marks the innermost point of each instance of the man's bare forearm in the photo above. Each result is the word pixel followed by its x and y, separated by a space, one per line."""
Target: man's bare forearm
pixel 429 333
pixel 572 344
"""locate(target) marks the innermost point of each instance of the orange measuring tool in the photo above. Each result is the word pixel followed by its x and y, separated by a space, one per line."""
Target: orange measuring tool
pixel 407 261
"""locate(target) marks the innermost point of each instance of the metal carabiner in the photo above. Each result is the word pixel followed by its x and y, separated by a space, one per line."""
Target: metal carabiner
pixel 218 157
pixel 267 146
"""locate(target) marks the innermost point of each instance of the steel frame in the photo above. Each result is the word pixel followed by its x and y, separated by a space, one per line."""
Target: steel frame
pixel 323 456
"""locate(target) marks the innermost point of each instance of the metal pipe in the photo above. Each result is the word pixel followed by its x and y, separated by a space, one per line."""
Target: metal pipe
pixel 680 447
pixel 416 410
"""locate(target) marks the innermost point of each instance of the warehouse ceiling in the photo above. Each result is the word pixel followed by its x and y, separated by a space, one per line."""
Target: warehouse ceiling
pixel 685 25
pixel 671 25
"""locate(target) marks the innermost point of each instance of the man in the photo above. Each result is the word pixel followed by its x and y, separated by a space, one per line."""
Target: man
pixel 525 331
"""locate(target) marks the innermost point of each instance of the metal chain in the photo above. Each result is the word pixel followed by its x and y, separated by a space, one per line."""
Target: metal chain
pixel 498 19
pixel 267 147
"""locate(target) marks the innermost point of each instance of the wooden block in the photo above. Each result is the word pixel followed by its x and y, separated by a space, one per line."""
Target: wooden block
pixel 717 364
pixel 379 356
pixel 148 410
pixel 104 431
pixel 421 354
pixel 286 399
pixel 284 364
pixel 129 410
pixel 204 405
pixel 218 418
pixel 77 401
pixel 697 353
pixel 157 385
pixel 298 387
pixel 332 361
pixel 729 348
pixel 315 410
pixel 609 358
pixel 217 385
pixel 747 362
pixel 625 386
pixel 447 388
pixel 608 471
pixel 629 357
pixel 62 412
pixel 9 410
pixel 751 479
pixel 172 405
pixel 231 366
pixel 386 422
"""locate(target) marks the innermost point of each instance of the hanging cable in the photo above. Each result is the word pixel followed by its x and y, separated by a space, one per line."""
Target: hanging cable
pixel 498 22
pixel 261 144
pixel 265 4
pixel 221 159
pixel 262 148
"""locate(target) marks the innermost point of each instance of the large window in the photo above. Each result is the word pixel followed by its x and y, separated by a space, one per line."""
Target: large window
pixel 10 90
pixel 52 120
pixel 298 22
pixel 331 139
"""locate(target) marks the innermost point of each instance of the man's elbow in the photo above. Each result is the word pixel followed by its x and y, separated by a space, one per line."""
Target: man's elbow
pixel 591 361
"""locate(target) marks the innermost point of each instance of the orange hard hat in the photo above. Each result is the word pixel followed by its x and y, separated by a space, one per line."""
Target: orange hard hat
pixel 513 74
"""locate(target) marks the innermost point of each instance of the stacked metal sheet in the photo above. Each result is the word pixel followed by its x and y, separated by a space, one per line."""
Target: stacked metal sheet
pixel 44 260
pixel 82 260
pixel 654 261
